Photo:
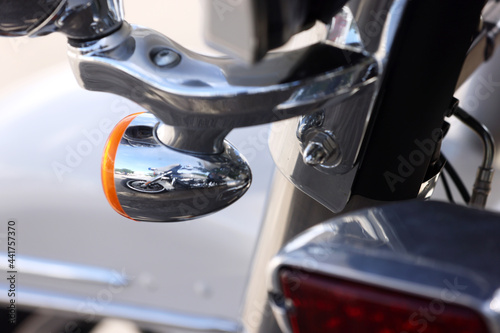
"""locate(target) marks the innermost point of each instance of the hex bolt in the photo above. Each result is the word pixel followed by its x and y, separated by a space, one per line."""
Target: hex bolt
pixel 308 122
pixel 315 153
pixel 166 58
pixel 322 149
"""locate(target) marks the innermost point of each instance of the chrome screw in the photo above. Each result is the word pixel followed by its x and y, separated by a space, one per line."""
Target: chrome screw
pixel 321 149
pixel 166 58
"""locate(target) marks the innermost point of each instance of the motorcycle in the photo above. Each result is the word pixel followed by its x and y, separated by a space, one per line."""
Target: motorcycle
pixel 359 122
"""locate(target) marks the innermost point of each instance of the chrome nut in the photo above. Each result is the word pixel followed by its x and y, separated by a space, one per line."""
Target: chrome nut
pixel 322 150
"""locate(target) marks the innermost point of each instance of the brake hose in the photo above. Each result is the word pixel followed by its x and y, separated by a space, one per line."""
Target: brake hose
pixel 484 177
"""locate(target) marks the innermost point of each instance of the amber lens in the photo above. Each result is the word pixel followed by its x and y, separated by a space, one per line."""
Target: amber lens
pixel 108 163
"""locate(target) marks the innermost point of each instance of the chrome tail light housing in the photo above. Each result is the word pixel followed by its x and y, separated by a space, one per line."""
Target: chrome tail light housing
pixel 408 267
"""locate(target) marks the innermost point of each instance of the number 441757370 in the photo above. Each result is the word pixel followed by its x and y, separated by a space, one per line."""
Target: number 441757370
pixel 11 243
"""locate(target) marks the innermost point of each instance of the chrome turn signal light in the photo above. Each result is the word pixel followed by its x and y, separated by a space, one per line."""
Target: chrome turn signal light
pixel 145 180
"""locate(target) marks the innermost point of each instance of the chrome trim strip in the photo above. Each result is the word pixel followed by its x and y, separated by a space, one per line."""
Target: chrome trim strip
pixel 160 319
pixel 66 271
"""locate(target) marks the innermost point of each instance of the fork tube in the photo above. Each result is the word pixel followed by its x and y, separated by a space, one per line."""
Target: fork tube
pixel 420 79
pixel 289 212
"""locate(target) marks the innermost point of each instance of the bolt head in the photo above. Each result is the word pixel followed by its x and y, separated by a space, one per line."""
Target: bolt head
pixel 315 153
pixel 166 58
pixel 322 149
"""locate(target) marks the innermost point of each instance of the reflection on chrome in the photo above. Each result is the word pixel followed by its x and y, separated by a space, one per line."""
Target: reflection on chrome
pixel 182 177
pixel 155 183
pixel 495 302
pixel 344 30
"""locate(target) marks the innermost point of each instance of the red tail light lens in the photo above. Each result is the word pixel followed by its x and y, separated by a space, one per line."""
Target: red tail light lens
pixel 325 304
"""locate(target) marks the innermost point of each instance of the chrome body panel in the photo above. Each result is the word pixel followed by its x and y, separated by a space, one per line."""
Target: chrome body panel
pixel 418 247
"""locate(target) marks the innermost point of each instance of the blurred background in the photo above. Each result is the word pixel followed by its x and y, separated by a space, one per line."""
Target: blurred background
pixel 77 258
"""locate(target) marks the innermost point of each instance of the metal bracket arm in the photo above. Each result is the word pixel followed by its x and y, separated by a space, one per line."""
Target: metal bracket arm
pixel 192 92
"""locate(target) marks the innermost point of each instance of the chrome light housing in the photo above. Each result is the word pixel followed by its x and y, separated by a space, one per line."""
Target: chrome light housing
pixel 145 180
